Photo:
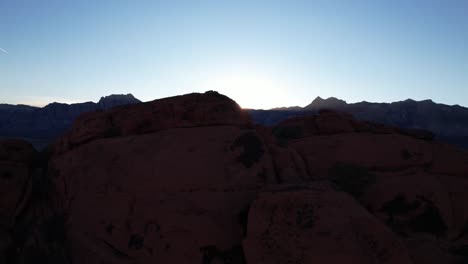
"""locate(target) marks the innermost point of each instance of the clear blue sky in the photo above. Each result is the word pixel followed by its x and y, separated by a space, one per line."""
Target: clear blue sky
pixel 260 53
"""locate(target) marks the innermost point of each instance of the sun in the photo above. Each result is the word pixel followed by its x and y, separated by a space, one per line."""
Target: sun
pixel 250 87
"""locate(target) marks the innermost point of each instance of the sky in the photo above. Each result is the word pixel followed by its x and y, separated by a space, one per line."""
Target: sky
pixel 262 54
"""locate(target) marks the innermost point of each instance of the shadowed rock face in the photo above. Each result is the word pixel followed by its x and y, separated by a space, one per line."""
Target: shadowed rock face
pixel 164 203
pixel 405 179
pixel 315 224
pixel 189 179
pixel 31 230
pixel 180 174
pixel 16 158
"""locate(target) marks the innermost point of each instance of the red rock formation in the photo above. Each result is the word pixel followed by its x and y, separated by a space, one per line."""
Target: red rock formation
pixel 172 181
pixel 314 224
pixel 192 110
pixel 415 186
pixel 177 194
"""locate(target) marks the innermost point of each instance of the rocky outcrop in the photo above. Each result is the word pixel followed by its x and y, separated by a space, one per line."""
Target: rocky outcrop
pixel 189 179
pixel 405 179
pixel 176 186
pixel 166 197
pixel 315 224
pixel 193 110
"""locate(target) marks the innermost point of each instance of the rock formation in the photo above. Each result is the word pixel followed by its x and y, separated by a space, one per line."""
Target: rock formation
pixel 190 179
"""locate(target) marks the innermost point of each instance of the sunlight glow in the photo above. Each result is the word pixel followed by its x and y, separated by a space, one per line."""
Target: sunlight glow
pixel 250 87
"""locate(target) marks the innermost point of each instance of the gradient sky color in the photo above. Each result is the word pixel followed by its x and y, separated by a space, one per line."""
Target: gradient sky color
pixel 261 53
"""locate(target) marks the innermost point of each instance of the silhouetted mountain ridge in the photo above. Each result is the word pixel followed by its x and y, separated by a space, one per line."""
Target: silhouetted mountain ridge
pixel 449 123
pixel 319 102
pixel 110 101
pixel 41 125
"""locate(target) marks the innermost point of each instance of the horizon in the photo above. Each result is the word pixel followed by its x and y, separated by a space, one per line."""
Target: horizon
pixel 273 108
pixel 284 52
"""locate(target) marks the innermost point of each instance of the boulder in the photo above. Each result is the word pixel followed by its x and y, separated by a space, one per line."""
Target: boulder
pixel 191 110
pixel 315 224
pixel 411 202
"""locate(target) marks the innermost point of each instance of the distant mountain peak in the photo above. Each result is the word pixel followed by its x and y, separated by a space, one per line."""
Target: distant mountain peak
pixel 330 102
pixel 428 101
pixel 17 107
pixel 112 97
pixel 55 103
pixel 288 108
pixel 412 101
pixel 117 99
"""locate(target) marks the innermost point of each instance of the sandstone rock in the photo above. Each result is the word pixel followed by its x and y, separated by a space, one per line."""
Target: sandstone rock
pixel 330 122
pixel 415 186
pixel 175 196
pixel 90 126
pixel 411 202
pixel 171 181
pixel 373 151
pixel 191 110
pixel 428 250
pixel 456 188
pixel 314 224
pixel 449 160
pixel 288 164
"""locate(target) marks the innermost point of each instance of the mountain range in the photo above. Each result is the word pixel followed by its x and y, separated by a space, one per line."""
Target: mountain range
pixel 448 123
pixel 40 125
